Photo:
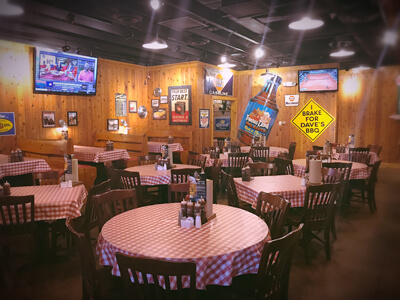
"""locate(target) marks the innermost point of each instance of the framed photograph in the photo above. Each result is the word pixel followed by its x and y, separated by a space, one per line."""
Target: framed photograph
pixel 120 105
pixel 163 99
pixel 49 119
pixel 72 117
pixel 159 114
pixel 132 106
pixel 112 124
pixel 204 118
pixel 155 103
pixel 180 105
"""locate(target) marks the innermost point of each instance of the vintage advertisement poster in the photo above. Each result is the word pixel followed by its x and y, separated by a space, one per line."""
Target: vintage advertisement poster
pixel 180 105
pixel 7 123
pixel 218 82
pixel 204 118
pixel 120 105
pixel 222 124
pixel 291 100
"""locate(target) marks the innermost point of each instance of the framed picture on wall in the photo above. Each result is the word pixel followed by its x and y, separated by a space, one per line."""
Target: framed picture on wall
pixel 180 105
pixel 112 124
pixel 163 99
pixel 159 114
pixel 72 117
pixel 48 119
pixel 204 118
pixel 155 103
pixel 132 106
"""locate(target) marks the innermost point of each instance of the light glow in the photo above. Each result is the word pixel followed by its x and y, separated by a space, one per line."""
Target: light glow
pixel 351 86
pixel 259 53
pixel 390 38
pixel 155 4
pixel 8 9
pixel 306 23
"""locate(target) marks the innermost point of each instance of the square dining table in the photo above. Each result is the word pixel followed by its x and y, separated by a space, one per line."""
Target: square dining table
pixel 98 154
pixel 155 147
pixel 28 165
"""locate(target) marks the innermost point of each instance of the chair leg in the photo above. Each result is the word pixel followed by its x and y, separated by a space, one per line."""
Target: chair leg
pixel 306 241
pixel 327 243
pixel 333 224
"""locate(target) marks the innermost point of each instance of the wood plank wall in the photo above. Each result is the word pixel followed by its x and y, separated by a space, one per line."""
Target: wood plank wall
pixel 377 92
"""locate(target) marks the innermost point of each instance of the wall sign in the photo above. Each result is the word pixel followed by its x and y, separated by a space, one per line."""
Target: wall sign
pixel 218 82
pixel 291 100
pixel 7 123
pixel 312 120
pixel 120 105
pixel 222 124
pixel 204 118
pixel 180 105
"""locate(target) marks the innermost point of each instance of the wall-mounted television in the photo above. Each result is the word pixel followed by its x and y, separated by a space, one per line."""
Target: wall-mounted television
pixel 321 80
pixel 57 72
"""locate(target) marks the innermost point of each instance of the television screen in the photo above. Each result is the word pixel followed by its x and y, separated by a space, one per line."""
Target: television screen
pixel 322 80
pixel 58 72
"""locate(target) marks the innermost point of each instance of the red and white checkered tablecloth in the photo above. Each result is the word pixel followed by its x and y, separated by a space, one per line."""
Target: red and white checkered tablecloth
pixel 150 176
pixel 273 151
pixel 99 155
pixel 156 146
pixel 223 157
pixel 53 202
pixel 373 157
pixel 224 247
pixel 29 165
pixel 358 170
pixel 287 186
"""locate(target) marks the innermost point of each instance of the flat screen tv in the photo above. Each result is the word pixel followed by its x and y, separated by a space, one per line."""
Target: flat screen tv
pixel 57 72
pixel 321 80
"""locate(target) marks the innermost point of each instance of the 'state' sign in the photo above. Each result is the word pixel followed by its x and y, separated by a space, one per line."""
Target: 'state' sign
pixel 312 120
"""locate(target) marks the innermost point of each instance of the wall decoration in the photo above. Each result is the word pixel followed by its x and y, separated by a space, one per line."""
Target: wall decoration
pixel 155 103
pixel 120 105
pixel 72 118
pixel 222 124
pixel 180 105
pixel 159 114
pixel 7 123
pixel 142 112
pixel 218 82
pixel 291 100
pixel 204 118
pixel 163 99
pixel 112 124
pixel 157 92
pixel 48 119
pixel 132 106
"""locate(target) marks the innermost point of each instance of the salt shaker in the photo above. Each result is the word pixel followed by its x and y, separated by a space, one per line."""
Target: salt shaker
pixel 198 221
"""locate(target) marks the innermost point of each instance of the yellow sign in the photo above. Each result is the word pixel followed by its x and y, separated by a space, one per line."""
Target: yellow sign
pixel 312 120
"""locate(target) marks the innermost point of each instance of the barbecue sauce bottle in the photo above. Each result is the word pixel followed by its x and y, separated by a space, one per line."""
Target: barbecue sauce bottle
pixel 261 112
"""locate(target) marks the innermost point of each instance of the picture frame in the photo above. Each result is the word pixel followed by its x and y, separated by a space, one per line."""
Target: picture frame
pixel 163 99
pixel 155 103
pixel 180 105
pixel 112 124
pixel 132 107
pixel 159 114
pixel 72 117
pixel 204 118
pixel 48 119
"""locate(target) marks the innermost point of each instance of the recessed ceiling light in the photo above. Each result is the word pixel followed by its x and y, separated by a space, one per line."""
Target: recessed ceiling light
pixel 156 44
pixel 226 65
pixel 390 38
pixel 305 24
pixel 259 52
pixel 8 9
pixel 342 53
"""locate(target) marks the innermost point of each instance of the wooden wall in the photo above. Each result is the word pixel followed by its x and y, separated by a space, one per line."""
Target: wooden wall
pixel 364 111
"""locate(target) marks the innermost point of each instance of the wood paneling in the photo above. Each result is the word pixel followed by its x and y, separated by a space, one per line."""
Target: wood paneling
pixel 364 111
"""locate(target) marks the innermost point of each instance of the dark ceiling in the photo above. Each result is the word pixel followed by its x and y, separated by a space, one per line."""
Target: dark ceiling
pixel 203 30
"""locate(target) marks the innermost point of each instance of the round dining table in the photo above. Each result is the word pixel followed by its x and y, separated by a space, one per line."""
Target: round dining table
pixel 226 246
pixel 150 176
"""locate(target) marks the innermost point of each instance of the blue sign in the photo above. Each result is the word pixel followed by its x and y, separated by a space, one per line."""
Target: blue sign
pixel 7 123
pixel 222 124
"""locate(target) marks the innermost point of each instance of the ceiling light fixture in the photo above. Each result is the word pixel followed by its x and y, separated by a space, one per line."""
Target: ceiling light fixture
pixel 8 9
pixel 390 37
pixel 65 48
pixel 259 53
pixel 156 4
pixel 342 53
pixel 306 23
pixel 156 44
pixel 223 59
pixel 227 65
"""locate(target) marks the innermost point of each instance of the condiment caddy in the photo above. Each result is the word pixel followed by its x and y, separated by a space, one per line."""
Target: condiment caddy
pixel 109 146
pixel 16 156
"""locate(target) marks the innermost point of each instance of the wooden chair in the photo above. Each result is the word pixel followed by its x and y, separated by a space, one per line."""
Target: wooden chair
pixel 317 215
pixel 312 152
pixel 182 175
pixel 261 169
pixel 177 191
pixel 144 267
pixel 147 159
pixel 97 283
pixel 233 199
pixel 235 147
pixel 274 210
pixel 197 160
pixel 283 166
pixel 46 178
pixel 215 174
pixel 112 203
pixel 237 161
pixel 375 148
pixel 360 157
pixel 367 187
pixel 317 148
pixel 259 154
pixel 292 149
pixel 354 153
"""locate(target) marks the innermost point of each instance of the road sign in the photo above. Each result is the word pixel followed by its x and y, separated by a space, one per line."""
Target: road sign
pixel 312 120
